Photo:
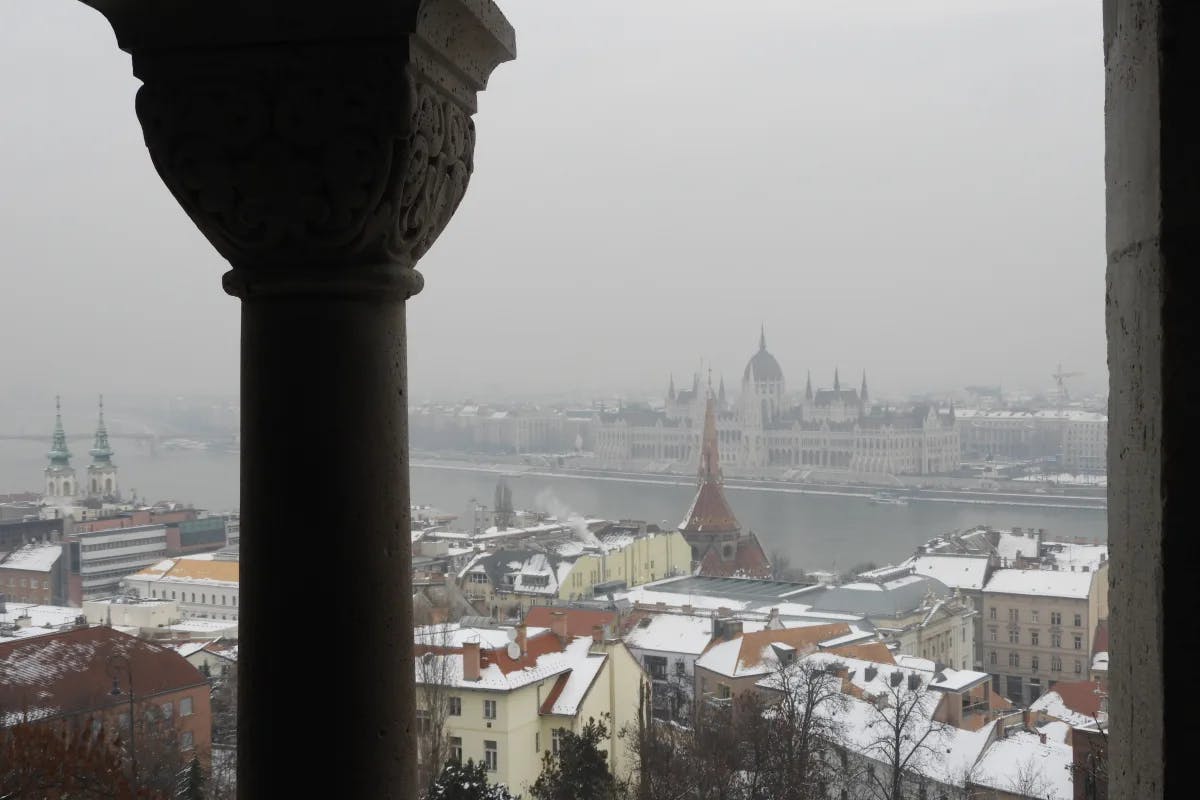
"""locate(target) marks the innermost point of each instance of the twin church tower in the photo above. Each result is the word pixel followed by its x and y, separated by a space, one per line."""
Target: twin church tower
pixel 61 481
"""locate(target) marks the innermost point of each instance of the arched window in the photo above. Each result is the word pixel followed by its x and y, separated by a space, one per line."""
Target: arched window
pixel 108 487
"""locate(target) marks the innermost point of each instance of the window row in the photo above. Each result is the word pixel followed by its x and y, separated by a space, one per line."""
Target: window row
pixel 1014 637
pixel 1014 616
pixel 1056 664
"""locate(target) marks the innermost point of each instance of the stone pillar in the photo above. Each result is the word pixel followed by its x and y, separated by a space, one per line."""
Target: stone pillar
pixel 321 148
pixel 1152 166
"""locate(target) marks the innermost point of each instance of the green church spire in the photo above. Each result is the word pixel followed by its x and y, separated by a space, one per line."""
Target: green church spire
pixel 59 455
pixel 101 453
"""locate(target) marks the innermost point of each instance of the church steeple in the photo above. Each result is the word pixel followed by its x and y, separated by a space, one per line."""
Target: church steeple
pixel 862 394
pixel 59 455
pixel 808 395
pixel 721 393
pixel 671 390
pixel 710 454
pixel 101 453
pixel 762 337
pixel 837 384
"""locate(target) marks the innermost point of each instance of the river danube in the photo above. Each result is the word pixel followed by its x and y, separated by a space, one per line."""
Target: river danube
pixel 816 531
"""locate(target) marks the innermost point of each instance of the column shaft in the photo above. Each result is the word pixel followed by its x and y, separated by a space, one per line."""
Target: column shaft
pixel 326 600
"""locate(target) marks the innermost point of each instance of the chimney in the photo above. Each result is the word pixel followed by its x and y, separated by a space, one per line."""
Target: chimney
pixel 1027 719
pixel 687 609
pixel 914 681
pixel 773 621
pixel 470 661
pixel 660 607
pixel 870 672
pixel 724 613
pixel 1042 738
pixel 558 624
pixel 597 634
pixel 522 634
pixel 895 678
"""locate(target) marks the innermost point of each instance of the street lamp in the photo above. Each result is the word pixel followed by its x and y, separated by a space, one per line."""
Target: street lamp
pixel 116 664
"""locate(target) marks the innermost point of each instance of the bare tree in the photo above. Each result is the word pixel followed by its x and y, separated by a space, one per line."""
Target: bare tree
pixel 904 737
pixel 792 732
pixel 435 675
pixel 782 568
pixel 661 751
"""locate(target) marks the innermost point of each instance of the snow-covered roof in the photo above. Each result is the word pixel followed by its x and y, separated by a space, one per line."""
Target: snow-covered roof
pixel 757 654
pixel 34 557
pixel 1051 703
pixel 649 595
pixel 1022 764
pixel 40 616
pixel 671 633
pixel 961 572
pixel 448 667
pixel 1041 582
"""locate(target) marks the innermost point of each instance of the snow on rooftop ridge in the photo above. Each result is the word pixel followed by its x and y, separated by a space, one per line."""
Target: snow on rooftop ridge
pixel 1042 582
pixel 33 557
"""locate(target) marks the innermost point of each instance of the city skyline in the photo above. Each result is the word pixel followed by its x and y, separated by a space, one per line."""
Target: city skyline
pixel 628 217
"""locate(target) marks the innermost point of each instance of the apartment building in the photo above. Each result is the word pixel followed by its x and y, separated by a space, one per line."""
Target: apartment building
pixel 510 692
pixel 204 587
pixel 1039 625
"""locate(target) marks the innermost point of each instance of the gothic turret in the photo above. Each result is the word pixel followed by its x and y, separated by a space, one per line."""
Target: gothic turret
pixel 808 395
pixel 710 512
pixel 862 394
pixel 102 473
pixel 837 383
pixel 721 395
pixel 671 389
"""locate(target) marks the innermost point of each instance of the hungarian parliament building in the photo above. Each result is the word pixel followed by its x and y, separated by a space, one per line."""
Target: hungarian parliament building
pixel 826 429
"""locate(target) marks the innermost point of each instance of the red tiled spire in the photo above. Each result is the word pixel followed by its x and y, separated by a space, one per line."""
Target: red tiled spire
pixel 710 512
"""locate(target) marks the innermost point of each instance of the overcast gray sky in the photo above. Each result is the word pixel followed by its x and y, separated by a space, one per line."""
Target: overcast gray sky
pixel 914 188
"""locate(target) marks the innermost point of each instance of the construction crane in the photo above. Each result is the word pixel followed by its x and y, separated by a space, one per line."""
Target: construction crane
pixel 1060 378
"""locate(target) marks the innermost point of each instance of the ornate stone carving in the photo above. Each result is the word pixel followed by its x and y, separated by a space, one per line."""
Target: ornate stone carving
pixel 308 159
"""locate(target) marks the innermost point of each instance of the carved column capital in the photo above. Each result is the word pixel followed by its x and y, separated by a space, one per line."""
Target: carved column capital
pixel 310 164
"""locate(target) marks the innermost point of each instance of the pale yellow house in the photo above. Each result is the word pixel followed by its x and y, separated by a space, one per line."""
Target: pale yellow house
pixel 506 582
pixel 507 711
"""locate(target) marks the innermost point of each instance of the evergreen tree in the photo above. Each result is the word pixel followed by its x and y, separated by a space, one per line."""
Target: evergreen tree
pixel 191 783
pixel 466 782
pixel 580 770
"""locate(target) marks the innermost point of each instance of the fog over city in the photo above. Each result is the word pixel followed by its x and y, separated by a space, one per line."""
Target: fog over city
pixel 912 189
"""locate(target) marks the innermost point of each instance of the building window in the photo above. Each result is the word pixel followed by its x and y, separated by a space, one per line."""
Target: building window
pixel 992 612
pixel 555 740
pixel 186 740
pixel 994 634
pixel 1056 664
pixel 456 748
pixel 1078 667
pixel 489 709
pixel 1033 616
pixel 1056 640
pixel 1033 638
pixel 680 669
pixel 203 598
pixel 168 709
pixel 185 707
pixel 1014 659
pixel 490 758
pixel 537 742
pixel 455 706
pixel 1014 615
pixel 1055 618
pixel 1078 642
pixel 1078 620
pixel 1014 637
pixel 993 659
pixel 1034 664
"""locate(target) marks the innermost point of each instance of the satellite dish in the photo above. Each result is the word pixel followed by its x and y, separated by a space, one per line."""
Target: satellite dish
pixel 512 634
pixel 514 650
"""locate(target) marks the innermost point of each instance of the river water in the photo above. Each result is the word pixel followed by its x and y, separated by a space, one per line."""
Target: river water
pixel 816 531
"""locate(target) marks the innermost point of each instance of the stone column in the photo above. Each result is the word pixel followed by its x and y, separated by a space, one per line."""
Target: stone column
pixel 321 149
pixel 1152 166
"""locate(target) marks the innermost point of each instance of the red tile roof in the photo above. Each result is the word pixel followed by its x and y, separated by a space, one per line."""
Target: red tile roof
pixel 580 621
pixel 68 672
pixel 749 560
pixel 710 512
pixel 1079 696
pixel 871 651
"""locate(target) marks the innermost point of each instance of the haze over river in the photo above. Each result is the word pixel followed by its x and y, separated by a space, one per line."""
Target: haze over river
pixel 816 531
